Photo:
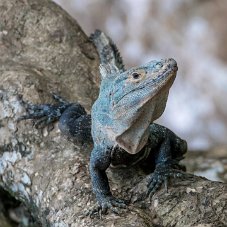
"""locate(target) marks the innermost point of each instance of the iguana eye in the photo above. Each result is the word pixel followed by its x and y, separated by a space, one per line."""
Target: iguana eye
pixel 136 76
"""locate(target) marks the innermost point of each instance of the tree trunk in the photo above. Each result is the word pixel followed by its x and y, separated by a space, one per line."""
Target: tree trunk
pixel 44 50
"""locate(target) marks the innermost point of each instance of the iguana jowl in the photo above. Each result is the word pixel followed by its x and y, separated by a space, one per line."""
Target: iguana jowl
pixel 121 121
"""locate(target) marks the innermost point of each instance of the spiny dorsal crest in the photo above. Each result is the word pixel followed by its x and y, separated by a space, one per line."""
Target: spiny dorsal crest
pixel 108 70
pixel 108 52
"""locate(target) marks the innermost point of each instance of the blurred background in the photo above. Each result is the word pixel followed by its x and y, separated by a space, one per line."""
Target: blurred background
pixel 192 32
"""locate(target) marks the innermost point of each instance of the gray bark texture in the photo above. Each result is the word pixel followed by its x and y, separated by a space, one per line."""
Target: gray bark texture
pixel 43 50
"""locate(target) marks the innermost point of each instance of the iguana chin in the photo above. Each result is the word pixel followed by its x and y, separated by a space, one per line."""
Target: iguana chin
pixel 120 124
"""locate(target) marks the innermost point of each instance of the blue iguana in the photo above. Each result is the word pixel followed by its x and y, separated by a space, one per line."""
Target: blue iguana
pixel 121 122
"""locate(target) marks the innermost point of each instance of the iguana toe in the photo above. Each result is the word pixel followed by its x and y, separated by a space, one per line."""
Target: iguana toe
pixel 161 175
pixel 44 115
pixel 108 203
pixel 111 203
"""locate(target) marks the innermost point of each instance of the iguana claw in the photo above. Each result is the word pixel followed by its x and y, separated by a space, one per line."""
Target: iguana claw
pixel 108 203
pixel 161 175
pixel 44 114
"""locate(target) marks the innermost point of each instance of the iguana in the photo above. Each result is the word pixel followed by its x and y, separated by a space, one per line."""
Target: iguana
pixel 121 121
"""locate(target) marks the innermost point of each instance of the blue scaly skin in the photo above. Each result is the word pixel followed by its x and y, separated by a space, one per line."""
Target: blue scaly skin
pixel 121 122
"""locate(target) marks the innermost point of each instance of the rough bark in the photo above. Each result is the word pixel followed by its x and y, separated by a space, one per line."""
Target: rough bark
pixel 42 50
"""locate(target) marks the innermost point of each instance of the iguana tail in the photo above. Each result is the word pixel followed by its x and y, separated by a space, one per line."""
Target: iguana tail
pixel 107 50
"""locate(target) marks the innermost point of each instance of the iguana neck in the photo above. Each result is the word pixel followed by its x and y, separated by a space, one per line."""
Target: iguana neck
pixel 124 110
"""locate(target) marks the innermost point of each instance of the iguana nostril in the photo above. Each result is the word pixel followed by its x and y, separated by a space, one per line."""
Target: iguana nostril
pixel 159 65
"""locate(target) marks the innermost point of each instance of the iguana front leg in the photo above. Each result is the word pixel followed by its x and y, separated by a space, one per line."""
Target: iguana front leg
pixel 74 122
pixel 99 162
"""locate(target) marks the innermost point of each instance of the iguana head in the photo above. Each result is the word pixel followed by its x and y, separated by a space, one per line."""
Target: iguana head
pixel 130 101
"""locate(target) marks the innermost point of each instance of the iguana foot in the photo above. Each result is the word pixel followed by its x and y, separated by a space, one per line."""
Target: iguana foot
pixel 162 174
pixel 44 114
pixel 108 203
